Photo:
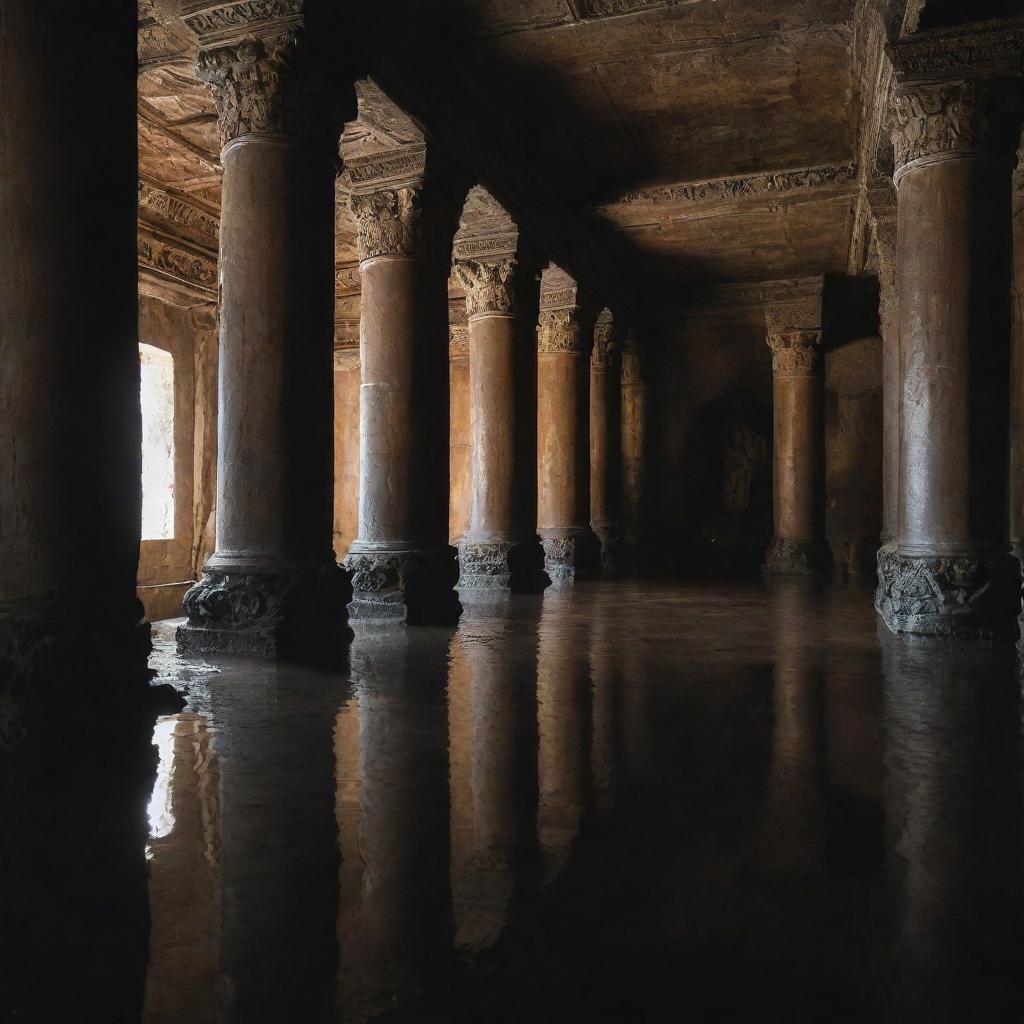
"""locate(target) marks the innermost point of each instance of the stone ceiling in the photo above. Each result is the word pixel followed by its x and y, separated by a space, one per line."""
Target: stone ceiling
pixel 693 141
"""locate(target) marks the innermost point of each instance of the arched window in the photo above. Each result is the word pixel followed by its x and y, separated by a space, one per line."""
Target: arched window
pixel 157 396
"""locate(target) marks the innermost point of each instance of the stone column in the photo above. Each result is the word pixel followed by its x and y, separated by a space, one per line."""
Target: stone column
pixel 458 404
pixel 605 441
pixel 400 561
pixel 500 277
pixel 952 572
pixel 69 385
pixel 794 336
pixel 564 339
pixel 633 446
pixel 271 585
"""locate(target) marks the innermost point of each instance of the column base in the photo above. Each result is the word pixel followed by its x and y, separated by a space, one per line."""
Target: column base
pixel 786 557
pixel 937 595
pixel 269 613
pixel 566 557
pixel 888 548
pixel 486 565
pixel 392 587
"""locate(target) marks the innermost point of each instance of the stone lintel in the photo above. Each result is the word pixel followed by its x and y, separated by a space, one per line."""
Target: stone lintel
pixel 168 259
pixel 794 306
pixel 213 21
pixel 990 49
pixel 180 215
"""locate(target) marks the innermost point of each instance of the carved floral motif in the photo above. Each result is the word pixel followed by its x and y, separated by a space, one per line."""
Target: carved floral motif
pixel 954 117
pixel 236 600
pixel 948 596
pixel 559 331
pixel 490 285
pixel 795 353
pixel 388 221
pixel 257 86
pixel 560 559
pixel 484 565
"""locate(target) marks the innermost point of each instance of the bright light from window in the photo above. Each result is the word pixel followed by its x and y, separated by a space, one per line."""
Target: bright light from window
pixel 161 818
pixel 157 443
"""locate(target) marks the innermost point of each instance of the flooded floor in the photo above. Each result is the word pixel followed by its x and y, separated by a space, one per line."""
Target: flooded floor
pixel 631 803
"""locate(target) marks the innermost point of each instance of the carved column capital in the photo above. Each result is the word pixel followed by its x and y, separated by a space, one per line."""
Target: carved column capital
pixel 634 360
pixel 560 330
pixel 261 86
pixel 936 120
pixel 388 221
pixel 602 355
pixel 795 353
pixel 494 286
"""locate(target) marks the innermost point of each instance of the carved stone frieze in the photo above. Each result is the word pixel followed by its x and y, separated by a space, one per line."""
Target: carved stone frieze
pixel 560 330
pixel 346 278
pixel 458 341
pixel 746 186
pixel 795 353
pixel 394 167
pixel 935 119
pixel 970 597
pixel 176 260
pixel 795 308
pixel 950 53
pixel 484 565
pixel 192 221
pixel 388 221
pixel 259 86
pixel 206 19
pixel 609 8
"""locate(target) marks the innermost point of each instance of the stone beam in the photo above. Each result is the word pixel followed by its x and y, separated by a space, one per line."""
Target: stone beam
pixel 824 178
pixel 168 260
pixel 180 215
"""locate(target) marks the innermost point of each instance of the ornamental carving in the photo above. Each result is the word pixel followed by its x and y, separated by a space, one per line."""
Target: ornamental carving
pixel 957 117
pixel 607 8
pixel 997 51
pixel 484 566
pixel 795 353
pixel 375 573
pixel 744 186
pixel 240 15
pixel 602 356
pixel 402 166
pixel 559 331
pixel 203 226
pixel 458 341
pixel 184 264
pixel 387 221
pixel 490 285
pixel 257 86
pixel 235 601
pixel 560 559
pixel 948 596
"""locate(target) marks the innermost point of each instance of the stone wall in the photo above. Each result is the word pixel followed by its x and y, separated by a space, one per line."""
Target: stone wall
pixel 710 443
pixel 853 453
pixel 167 568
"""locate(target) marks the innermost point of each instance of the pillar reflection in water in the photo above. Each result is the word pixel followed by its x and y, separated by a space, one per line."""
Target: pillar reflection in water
pixel 183 981
pixel 607 739
pixel 563 717
pixel 953 821
pixel 279 843
pixel 794 823
pixel 492 692
pixel 399 950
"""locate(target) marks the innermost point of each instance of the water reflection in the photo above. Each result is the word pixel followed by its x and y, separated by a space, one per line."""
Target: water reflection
pixel 618 803
pixel 953 810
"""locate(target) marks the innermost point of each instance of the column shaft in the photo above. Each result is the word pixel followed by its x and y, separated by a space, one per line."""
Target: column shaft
pixel 605 442
pixel 399 561
pixel 952 572
pixel 271 583
pixel 459 447
pixel 69 389
pixel 634 444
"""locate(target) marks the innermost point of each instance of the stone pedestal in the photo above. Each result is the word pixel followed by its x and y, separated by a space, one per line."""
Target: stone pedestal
pixel 794 336
pixel 605 443
pixel 499 550
pixel 633 448
pixel 564 338
pixel 400 561
pixel 952 572
pixel 271 585
pixel 69 385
